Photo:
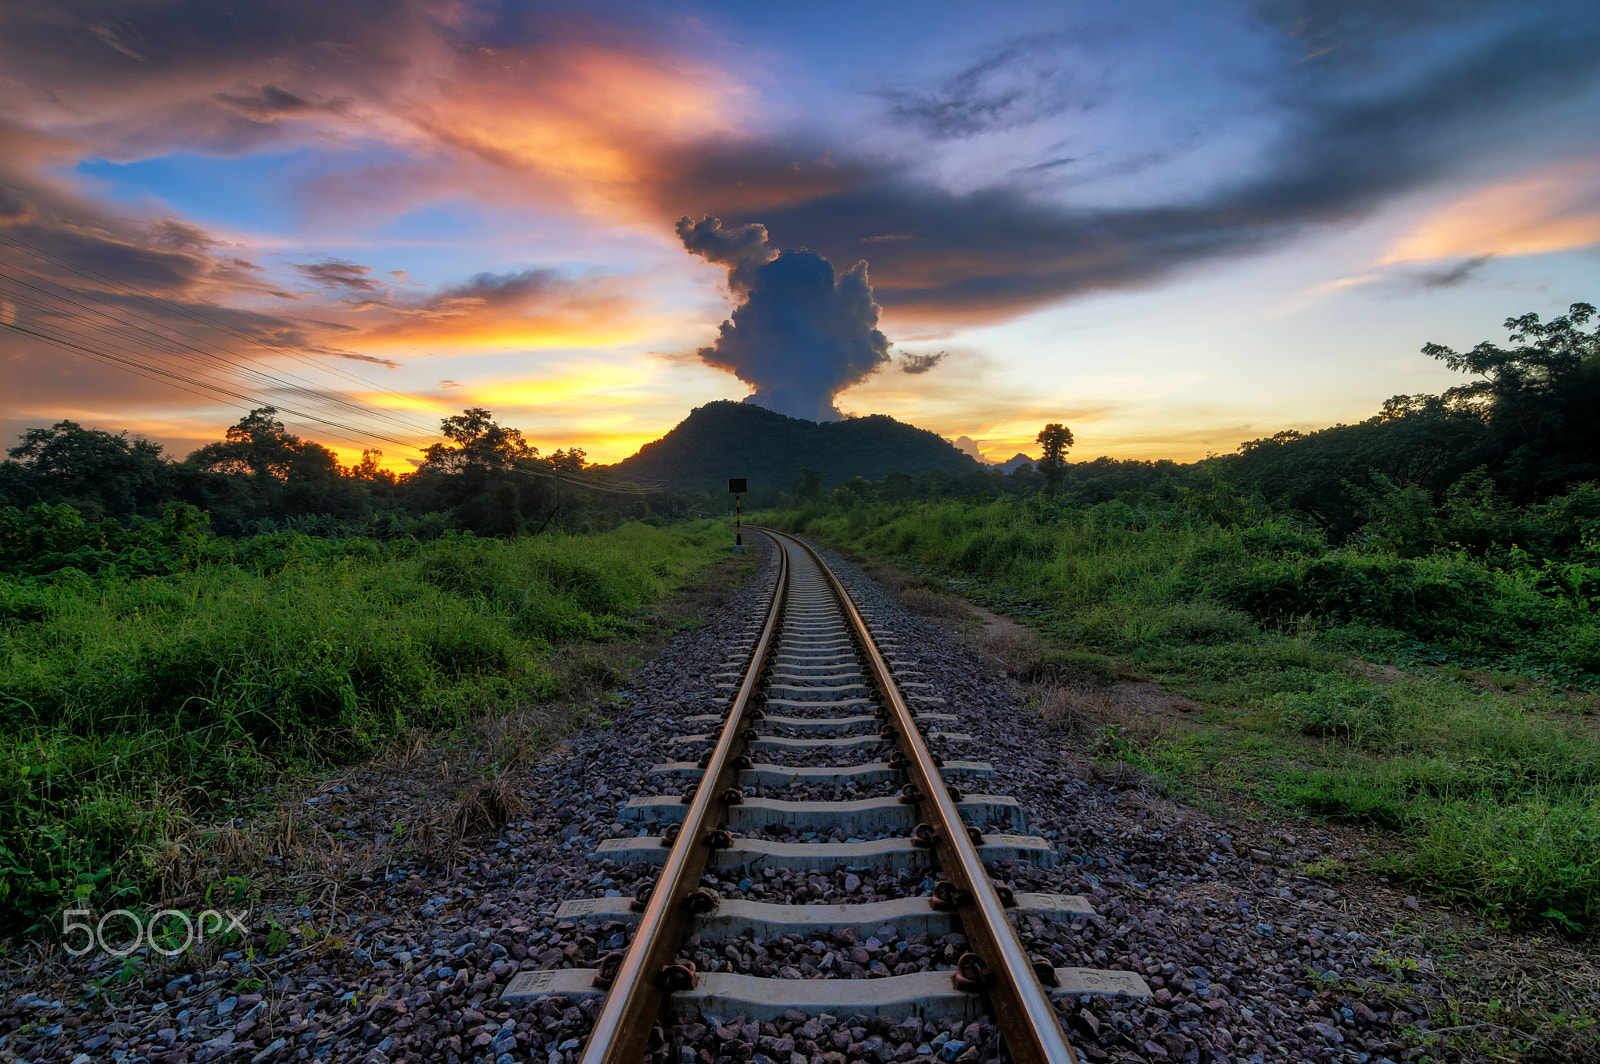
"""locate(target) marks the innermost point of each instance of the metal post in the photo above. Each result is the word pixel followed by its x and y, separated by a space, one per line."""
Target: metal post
pixel 737 486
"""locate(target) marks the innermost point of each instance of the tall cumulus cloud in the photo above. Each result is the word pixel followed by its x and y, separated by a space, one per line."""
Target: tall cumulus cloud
pixel 802 333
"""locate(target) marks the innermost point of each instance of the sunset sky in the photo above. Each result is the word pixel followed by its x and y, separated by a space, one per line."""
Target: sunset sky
pixel 1173 226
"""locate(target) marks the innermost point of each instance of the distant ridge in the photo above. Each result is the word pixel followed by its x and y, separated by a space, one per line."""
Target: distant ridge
pixel 1010 466
pixel 730 439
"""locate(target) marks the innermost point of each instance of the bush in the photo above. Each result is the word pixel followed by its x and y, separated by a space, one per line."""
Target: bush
pixel 1205 624
pixel 1533 858
pixel 1431 597
pixel 1054 665
pixel 1339 796
pixel 277 650
pixel 1342 709
pixel 43 540
pixel 1258 617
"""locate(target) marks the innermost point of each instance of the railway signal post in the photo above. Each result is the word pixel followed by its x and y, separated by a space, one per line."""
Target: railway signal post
pixel 736 488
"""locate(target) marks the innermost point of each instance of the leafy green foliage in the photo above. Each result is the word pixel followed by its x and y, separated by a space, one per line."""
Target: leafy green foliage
pixel 1260 620
pixel 1343 709
pixel 485 478
pixel 101 473
pixel 1054 438
pixel 131 701
pixel 1523 430
pixel 52 541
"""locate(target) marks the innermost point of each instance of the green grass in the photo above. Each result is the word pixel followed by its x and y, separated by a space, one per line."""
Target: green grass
pixel 1481 760
pixel 128 704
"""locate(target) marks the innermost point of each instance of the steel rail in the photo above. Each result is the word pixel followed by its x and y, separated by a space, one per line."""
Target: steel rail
pixel 1024 1013
pixel 622 1030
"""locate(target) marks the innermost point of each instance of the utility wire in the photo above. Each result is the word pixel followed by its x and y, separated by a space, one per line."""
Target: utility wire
pixel 200 381
pixel 200 387
pixel 173 375
pixel 198 316
pixel 133 333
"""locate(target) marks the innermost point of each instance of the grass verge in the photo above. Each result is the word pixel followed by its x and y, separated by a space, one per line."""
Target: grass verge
pixel 132 709
pixel 1444 702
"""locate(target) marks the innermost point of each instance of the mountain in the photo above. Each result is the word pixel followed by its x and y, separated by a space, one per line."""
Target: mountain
pixel 1017 459
pixel 728 439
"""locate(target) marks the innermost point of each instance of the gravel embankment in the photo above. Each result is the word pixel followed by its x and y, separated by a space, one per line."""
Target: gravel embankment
pixel 1249 961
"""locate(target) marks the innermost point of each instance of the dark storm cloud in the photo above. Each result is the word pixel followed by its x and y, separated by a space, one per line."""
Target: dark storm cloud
pixel 801 335
pixel 130 81
pixel 996 251
pixel 156 59
pixel 921 363
pixel 742 249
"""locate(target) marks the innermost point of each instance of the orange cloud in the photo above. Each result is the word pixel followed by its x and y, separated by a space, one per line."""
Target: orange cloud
pixel 590 124
pixel 1554 208
pixel 535 308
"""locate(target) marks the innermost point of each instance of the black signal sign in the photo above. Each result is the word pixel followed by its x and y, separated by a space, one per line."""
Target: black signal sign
pixel 737 486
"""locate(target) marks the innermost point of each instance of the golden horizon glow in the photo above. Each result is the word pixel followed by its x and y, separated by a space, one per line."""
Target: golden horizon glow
pixel 513 335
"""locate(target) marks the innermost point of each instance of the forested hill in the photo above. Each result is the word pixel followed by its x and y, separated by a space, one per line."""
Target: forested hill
pixel 728 439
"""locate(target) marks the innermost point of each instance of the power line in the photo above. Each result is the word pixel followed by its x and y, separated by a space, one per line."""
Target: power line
pixel 200 387
pixel 136 334
pixel 195 315
pixel 171 375
pixel 144 352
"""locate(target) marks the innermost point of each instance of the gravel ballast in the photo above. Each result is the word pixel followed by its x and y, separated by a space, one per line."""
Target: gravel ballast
pixel 1249 961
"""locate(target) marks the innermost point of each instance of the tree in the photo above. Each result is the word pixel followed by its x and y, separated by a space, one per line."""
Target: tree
pixel 1055 439
pixel 490 476
pixel 92 469
pixel 571 460
pixel 480 444
pixel 807 485
pixel 258 444
pixel 369 470
pixel 897 486
pixel 288 475
pixel 1538 398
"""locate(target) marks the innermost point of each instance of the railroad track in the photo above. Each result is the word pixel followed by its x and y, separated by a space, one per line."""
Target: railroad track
pixel 814 676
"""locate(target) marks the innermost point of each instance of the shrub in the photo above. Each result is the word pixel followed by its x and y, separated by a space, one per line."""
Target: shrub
pixel 1437 598
pixel 1205 624
pixel 1060 666
pixel 282 649
pixel 1341 709
pixel 1339 796
pixel 1533 858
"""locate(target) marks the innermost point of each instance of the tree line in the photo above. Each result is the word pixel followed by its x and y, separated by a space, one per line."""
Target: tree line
pixel 1506 462
pixel 1465 468
pixel 483 477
